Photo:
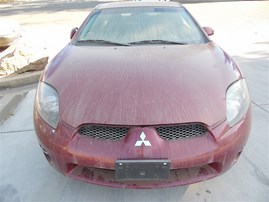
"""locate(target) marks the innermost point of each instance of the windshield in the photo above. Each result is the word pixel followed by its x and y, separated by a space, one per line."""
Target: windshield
pixel 141 25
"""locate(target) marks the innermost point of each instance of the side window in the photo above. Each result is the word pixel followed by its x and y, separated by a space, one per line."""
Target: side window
pixel 190 28
pixel 86 34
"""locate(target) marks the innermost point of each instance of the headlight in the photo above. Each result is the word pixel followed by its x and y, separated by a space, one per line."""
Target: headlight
pixel 47 104
pixel 237 102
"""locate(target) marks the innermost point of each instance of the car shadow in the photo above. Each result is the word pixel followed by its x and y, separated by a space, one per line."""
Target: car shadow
pixel 80 191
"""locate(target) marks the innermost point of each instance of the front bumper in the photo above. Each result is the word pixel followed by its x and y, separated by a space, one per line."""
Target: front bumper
pixel 192 160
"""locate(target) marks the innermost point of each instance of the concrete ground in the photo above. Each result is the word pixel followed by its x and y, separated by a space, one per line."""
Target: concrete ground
pixel 241 28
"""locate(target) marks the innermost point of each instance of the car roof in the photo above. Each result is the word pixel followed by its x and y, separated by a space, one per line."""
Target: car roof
pixel 142 3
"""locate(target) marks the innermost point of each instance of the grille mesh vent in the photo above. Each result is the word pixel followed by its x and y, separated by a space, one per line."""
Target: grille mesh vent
pixel 104 132
pixel 181 131
pixel 166 132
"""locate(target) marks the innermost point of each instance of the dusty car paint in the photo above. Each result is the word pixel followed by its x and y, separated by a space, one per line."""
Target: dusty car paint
pixel 166 88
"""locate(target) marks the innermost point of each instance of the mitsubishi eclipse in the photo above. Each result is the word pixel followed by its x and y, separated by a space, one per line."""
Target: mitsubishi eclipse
pixel 142 98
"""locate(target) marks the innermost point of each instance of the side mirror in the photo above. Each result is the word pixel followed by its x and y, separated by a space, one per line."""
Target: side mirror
pixel 73 32
pixel 208 30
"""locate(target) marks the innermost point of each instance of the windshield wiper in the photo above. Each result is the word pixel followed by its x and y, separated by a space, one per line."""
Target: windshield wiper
pixel 158 42
pixel 104 42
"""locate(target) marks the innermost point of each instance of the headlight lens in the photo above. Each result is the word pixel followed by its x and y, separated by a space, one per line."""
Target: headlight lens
pixel 47 104
pixel 237 102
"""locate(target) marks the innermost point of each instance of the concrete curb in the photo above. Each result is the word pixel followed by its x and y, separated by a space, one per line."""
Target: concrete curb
pixel 20 80
pixel 9 104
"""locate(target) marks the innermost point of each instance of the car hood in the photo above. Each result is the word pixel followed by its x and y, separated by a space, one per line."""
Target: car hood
pixel 141 85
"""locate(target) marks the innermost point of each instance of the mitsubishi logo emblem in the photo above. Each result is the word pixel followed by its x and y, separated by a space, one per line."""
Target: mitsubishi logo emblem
pixel 142 141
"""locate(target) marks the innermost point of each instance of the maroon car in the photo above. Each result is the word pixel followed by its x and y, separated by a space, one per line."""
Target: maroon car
pixel 142 98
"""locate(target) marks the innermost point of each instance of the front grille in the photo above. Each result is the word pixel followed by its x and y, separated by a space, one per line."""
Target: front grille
pixel 104 132
pixel 181 131
pixel 166 132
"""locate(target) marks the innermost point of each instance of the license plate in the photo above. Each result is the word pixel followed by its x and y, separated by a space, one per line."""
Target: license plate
pixel 127 170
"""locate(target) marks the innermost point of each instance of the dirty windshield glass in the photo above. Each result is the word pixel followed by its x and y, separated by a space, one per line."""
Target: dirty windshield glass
pixel 141 25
